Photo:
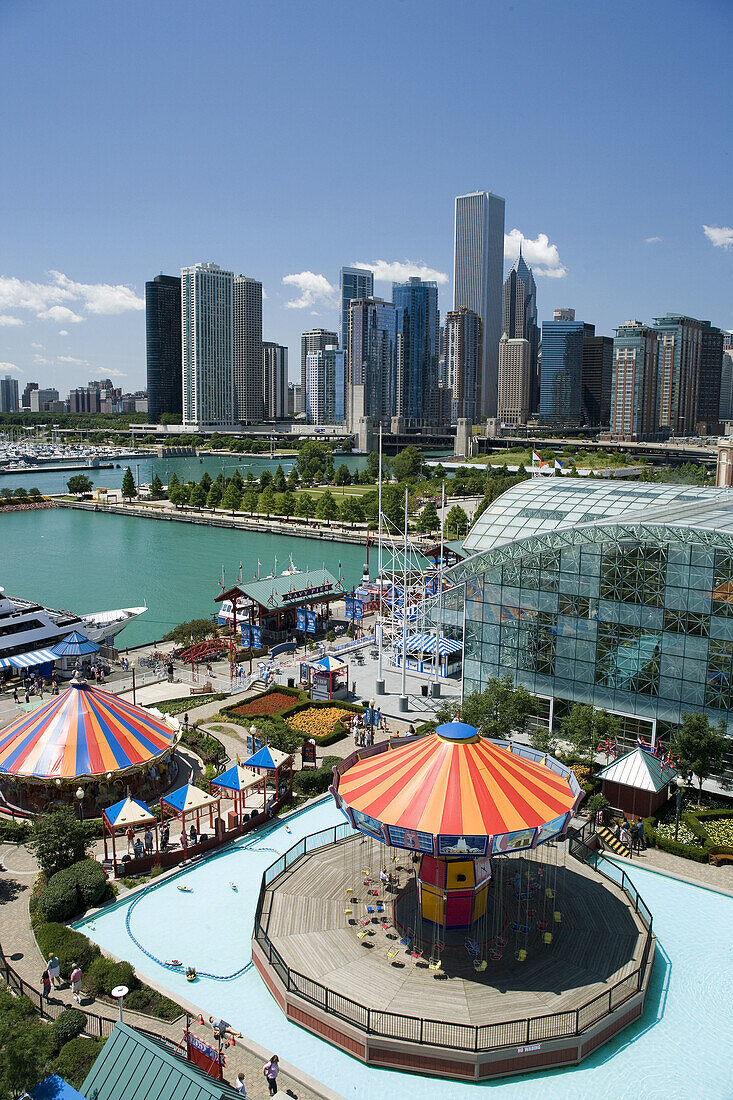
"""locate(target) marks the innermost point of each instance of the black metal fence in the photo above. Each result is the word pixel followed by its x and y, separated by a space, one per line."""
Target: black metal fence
pixel 468 1037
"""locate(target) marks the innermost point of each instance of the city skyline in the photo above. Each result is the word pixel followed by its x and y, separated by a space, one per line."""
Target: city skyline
pixel 120 204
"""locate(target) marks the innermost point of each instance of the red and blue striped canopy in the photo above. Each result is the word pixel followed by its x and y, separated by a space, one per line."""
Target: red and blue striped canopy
pixel 85 731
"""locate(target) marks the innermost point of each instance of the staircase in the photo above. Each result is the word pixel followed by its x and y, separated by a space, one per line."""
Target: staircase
pixel 610 841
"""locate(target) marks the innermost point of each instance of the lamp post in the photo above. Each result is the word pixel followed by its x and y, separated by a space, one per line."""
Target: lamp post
pixel 80 797
pixel 681 787
pixel 120 992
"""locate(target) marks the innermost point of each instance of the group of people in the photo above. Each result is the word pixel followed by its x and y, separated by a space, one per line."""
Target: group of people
pixel 364 734
pixel 225 1033
pixel 33 684
pixel 51 978
pixel 631 834
pixel 137 847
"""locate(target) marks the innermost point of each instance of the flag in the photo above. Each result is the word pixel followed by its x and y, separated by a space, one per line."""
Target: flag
pixel 558 464
pixel 536 458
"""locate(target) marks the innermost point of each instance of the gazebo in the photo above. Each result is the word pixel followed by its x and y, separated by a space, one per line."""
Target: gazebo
pixel 268 760
pixel 128 812
pixel 234 783
pixel 189 800
pixel 638 782
pixel 456 800
pixel 85 737
pixel 72 647
pixel 327 678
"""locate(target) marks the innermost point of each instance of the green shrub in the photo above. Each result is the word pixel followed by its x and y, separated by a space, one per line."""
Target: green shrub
pixel 14 832
pixel 696 828
pixel 91 882
pixel 654 840
pixel 76 1058
pixel 69 945
pixel 209 748
pixel 426 727
pixel 597 802
pixel 104 974
pixel 313 782
pixel 59 900
pixel 153 1003
pixel 68 1025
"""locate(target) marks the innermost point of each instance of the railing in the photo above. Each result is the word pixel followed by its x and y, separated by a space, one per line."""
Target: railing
pixel 474 1038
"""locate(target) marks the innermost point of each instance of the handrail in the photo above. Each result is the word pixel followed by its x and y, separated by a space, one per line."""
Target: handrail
pixel 440 1033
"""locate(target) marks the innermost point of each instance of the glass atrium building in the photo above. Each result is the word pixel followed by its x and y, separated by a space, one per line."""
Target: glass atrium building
pixel 612 593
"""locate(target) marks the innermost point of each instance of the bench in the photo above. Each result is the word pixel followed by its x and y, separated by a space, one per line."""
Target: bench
pixel 718 858
pixel 205 690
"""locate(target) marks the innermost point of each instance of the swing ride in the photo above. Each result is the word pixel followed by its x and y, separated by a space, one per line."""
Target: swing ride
pixel 453 869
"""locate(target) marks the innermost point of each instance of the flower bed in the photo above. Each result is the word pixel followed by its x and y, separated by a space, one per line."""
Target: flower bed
pixel 274 701
pixel 317 721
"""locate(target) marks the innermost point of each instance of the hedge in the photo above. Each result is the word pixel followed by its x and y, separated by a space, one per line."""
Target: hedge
pixel 76 1059
pixel 209 748
pixel 425 727
pixel 68 1025
pixel 74 889
pixel 14 832
pixel 696 821
pixel 68 945
pixel 339 730
pixel 104 974
pixel 313 782
pixel 653 840
pixel 237 711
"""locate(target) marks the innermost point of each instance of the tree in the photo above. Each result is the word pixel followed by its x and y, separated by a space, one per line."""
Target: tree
pixel 315 461
pixel 327 508
pixel 456 521
pixel 58 840
pixel 428 520
pixel 305 506
pixel 128 485
pixel 265 479
pixel 195 630
pixel 173 482
pixel 267 501
pixel 205 482
pixel 213 500
pixel 701 745
pixel 278 481
pixel 351 511
pixel 79 484
pixel 293 479
pixel 231 499
pixel 198 497
pixel 440 472
pixel 343 477
pixel 34 493
pixel 288 504
pixel 408 464
pixel 373 465
pixel 585 728
pixel 157 492
pixel 348 445
pixel 365 478
pixel 237 481
pixel 499 711
pixel 26 1045
pixel 249 501
pixel 21 492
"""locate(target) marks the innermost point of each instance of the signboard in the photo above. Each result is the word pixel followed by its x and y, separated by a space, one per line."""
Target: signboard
pixel 512 842
pixel 462 845
pixel 310 618
pixel 246 637
pixel 411 839
pixel 307 593
pixel 256 637
pixel 552 828
pixel 358 609
pixel 300 619
pixel 204 1056
pixel 368 825
pixel 254 744
pixel 304 672
pixel 372 716
pixel 308 752
pixel 349 607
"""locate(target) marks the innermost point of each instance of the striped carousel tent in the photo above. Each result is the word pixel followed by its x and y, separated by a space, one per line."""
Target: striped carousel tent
pixel 83 732
pixel 456 788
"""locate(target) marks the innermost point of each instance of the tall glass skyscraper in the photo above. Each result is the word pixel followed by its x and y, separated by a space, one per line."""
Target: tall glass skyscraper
pixel 163 346
pixel 478 276
pixel 275 380
pixel 356 282
pixel 248 349
pixel 562 369
pixel 371 362
pixel 519 318
pixel 207 324
pixel 418 323
pixel 463 350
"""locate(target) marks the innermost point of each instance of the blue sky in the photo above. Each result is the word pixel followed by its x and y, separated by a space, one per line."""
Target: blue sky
pixel 285 139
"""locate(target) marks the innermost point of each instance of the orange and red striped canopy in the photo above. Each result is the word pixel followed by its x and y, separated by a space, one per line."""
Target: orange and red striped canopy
pixel 458 787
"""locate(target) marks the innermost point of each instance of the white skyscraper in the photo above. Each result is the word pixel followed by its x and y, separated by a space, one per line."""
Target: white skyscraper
pixel 248 349
pixel 207 322
pixel 478 278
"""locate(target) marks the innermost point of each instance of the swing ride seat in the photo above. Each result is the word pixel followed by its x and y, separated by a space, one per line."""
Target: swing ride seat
pixel 549 893
pixel 393 952
pixel 434 964
pixel 370 909
pixel 348 912
pixel 416 955
pixel 363 920
pixel 362 934
pixel 386 926
pixel 521 955
pixel 380 907
pixel 472 947
pixel 479 965
pixel 557 916
pixel 495 955
pixel 547 937
pixel 406 941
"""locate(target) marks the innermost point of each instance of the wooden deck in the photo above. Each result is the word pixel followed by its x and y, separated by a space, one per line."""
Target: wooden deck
pixel 598 942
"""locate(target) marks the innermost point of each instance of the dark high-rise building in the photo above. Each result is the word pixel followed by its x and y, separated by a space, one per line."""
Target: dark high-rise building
pixel 8 394
pixel 247 350
pixel 725 407
pixel 562 369
pixel 463 350
pixel 26 399
pixel 163 346
pixel 708 392
pixel 680 351
pixel 596 379
pixel 519 318
pixel 275 380
pixel 418 323
pixel 371 362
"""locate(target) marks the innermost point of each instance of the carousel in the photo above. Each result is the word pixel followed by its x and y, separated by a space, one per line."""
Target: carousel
pixel 85 744
pixel 452 867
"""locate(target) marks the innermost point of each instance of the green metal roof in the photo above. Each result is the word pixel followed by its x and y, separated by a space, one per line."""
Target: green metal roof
pixel 131 1065
pixel 298 588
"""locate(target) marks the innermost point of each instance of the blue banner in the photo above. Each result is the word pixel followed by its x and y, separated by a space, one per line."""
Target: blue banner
pixel 245 635
pixel 254 744
pixel 256 637
pixel 349 606
pixel 310 617
pixel 300 619
pixel 358 609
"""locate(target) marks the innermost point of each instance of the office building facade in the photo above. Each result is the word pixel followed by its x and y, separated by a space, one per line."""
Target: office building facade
pixel 326 386
pixel 562 369
pixel 316 339
pixel 634 383
pixel 8 394
pixel 356 282
pixel 463 357
pixel 275 380
pixel 519 319
pixel 478 275
pixel 679 363
pixel 708 391
pixel 515 380
pixel 371 362
pixel 25 401
pixel 42 400
pixel 247 349
pixel 163 347
pixel 418 324
pixel 207 324
pixel 596 373
pixel 725 405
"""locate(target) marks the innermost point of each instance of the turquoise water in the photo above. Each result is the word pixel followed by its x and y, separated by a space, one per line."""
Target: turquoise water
pixel 679 1048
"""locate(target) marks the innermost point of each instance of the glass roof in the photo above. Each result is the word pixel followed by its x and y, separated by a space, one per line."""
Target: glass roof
pixel 545 504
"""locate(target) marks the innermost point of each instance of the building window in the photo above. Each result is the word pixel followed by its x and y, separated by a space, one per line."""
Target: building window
pixel 628 658
pixel 634 573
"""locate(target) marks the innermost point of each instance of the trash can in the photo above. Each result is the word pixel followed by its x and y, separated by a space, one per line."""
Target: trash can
pixel 424 689
pixel 291 681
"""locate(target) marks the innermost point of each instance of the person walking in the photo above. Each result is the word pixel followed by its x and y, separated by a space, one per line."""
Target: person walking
pixel 75 979
pixel 271 1070
pixel 148 842
pixel 16 699
pixel 46 984
pixel 625 836
pixel 54 970
pixel 240 1086
pixel 130 834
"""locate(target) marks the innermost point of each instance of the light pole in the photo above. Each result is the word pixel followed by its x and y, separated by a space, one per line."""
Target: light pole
pixel 120 992
pixel 681 787
pixel 80 797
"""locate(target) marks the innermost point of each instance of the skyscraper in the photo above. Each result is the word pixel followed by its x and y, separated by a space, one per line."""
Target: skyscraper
pixel 418 322
pixel 247 354
pixel 325 385
pixel 275 380
pixel 596 379
pixel 356 282
pixel 725 407
pixel 26 399
pixel 371 362
pixel 477 278
pixel 680 353
pixel 634 382
pixel 708 392
pixel 562 369
pixel 8 394
pixel 519 318
pixel 316 339
pixel 163 346
pixel 515 380
pixel 463 351
pixel 207 324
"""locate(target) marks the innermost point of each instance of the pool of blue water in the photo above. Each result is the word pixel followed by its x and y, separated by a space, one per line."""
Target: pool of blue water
pixel 679 1048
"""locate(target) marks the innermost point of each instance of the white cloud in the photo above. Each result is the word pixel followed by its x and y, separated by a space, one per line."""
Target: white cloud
pixel 719 235
pixel 41 361
pixel 100 297
pixel 71 359
pixel 6 368
pixel 38 347
pixel 47 299
pixel 652 240
pixel 541 256
pixel 6 321
pixel 398 271
pixel 313 290
pixel 110 372
pixel 63 332
pixel 60 313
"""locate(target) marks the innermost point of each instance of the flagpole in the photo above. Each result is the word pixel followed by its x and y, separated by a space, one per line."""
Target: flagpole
pixel 379 686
